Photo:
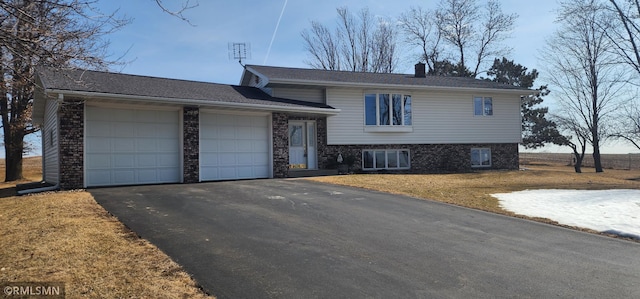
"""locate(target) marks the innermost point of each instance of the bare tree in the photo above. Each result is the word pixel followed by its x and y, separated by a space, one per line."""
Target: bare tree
pixel 584 71
pixel 471 32
pixel 420 30
pixel 55 33
pixel 627 127
pixel 359 43
pixel 178 13
pixel 579 138
pixel 320 43
pixel 625 36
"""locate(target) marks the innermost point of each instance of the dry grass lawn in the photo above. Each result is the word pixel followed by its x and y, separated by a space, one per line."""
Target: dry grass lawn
pixel 67 237
pixel 473 190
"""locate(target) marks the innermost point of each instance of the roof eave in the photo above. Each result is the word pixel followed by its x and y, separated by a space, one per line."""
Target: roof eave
pixel 196 102
pixel 396 86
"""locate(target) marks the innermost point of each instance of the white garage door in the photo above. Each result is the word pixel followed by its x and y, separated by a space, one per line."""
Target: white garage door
pixel 233 146
pixel 131 146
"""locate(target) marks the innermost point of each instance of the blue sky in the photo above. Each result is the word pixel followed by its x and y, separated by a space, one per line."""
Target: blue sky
pixel 160 45
pixel 156 44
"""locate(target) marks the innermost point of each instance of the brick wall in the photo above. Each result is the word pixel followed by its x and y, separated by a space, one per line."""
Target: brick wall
pixel 280 126
pixel 71 138
pixel 191 144
pixel 434 158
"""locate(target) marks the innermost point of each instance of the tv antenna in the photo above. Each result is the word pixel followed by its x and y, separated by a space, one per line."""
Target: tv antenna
pixel 239 51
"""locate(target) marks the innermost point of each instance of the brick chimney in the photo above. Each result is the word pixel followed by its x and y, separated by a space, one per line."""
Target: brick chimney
pixel 420 70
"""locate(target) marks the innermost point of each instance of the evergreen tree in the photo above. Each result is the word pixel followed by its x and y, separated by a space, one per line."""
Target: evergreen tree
pixel 537 129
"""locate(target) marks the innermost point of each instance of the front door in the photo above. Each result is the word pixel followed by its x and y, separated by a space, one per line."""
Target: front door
pixel 302 145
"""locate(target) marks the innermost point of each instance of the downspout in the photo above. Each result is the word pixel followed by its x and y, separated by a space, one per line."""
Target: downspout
pixel 42 189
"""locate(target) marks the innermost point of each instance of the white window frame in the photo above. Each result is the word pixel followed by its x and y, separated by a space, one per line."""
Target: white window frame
pixel 403 95
pixel 482 151
pixel 484 107
pixel 386 162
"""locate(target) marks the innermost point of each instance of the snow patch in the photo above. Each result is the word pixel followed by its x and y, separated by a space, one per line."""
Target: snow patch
pixel 612 211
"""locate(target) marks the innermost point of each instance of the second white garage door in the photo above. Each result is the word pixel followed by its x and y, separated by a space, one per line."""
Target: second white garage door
pixel 234 146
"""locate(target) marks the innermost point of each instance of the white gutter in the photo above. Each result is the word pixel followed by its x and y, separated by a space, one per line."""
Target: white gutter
pixel 206 103
pixel 41 189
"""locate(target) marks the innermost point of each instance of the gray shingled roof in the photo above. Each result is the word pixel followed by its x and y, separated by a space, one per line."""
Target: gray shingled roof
pixel 162 88
pixel 286 75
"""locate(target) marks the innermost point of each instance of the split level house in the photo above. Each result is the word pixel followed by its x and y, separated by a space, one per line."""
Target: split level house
pixel 108 129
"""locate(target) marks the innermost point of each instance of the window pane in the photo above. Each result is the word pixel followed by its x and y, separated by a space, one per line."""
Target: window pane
pixel 477 106
pixel 295 135
pixel 370 109
pixel 407 110
pixel 486 157
pixel 392 159
pixel 397 109
pixel 475 157
pixel 488 106
pixel 367 159
pixel 311 134
pixel 404 159
pixel 384 109
pixel 380 159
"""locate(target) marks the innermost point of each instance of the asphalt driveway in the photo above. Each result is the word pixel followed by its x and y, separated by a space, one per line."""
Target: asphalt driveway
pixel 301 239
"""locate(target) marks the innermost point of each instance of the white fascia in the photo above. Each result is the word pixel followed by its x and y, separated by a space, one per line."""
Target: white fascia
pixel 199 103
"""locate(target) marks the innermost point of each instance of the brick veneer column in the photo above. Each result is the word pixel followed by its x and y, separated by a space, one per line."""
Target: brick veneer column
pixel 191 139
pixel 71 144
pixel 280 126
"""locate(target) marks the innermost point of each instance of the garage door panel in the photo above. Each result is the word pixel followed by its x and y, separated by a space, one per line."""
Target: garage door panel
pixel 245 146
pixel 131 146
pixel 123 144
pixel 100 177
pixel 98 145
pixel 226 159
pixel 123 129
pixel 123 176
pixel 99 128
pixel 259 145
pixel 119 115
pixel 165 145
pixel 146 130
pixel 260 160
pixel 167 175
pixel 227 132
pixel 167 160
pixel 208 159
pixel 244 133
pixel 96 161
pixel 209 144
pixel 227 145
pixel 123 161
pixel 147 175
pixel 233 146
pixel 208 134
pixel 143 160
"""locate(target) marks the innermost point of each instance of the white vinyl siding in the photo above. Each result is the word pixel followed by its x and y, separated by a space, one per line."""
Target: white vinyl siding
pixel 50 143
pixel 437 118
pixel 126 146
pixel 307 94
pixel 234 146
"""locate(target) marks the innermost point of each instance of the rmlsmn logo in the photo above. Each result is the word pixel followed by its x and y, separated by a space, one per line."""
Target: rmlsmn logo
pixel 32 290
